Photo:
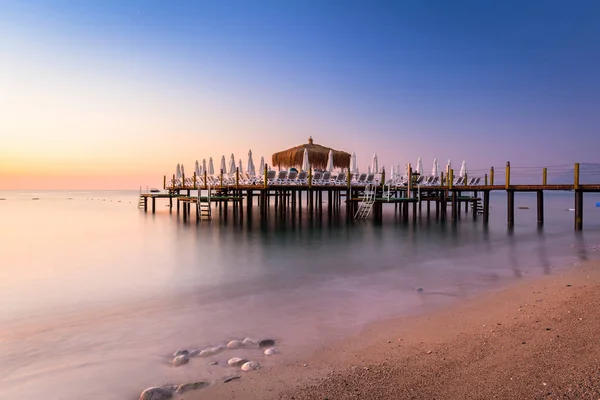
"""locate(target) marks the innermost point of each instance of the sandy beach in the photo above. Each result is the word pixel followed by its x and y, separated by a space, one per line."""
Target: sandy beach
pixel 535 339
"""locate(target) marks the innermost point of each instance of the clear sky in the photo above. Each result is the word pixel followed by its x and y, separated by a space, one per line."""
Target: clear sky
pixel 114 93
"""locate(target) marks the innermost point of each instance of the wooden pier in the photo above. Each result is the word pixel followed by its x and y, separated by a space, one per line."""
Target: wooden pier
pixel 408 200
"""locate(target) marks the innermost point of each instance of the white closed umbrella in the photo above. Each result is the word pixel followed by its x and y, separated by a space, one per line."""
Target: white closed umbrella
pixel 353 166
pixel 250 165
pixel 375 165
pixel 211 167
pixel 463 169
pixel 232 164
pixel 305 161
pixel 330 161
pixel 182 172
pixel 419 166
pixel 223 166
pixel 178 172
pixel 368 169
pixel 204 166
pixel 262 165
pixel 434 170
pixel 240 166
pixel 197 168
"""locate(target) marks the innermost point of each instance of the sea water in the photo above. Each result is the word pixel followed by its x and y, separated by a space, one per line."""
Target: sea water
pixel 96 295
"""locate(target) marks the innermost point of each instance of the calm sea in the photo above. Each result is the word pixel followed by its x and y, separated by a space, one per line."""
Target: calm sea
pixel 96 295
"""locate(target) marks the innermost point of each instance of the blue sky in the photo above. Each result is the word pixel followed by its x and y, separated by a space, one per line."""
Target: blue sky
pixel 95 85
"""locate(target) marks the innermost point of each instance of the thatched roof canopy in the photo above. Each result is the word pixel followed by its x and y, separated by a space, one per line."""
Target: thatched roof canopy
pixel 317 156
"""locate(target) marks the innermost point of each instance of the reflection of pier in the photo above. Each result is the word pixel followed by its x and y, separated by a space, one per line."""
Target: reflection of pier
pixel 408 199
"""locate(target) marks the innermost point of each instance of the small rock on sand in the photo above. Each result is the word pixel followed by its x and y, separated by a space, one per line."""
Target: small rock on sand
pixel 194 353
pixel 206 353
pixel 248 342
pixel 191 386
pixel 217 349
pixel 236 362
pixel 180 360
pixel 250 366
pixel 270 351
pixel 181 353
pixel 234 344
pixel 266 343
pixel 156 393
pixel 213 363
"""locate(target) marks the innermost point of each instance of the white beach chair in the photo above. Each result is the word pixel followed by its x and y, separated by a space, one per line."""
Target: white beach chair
pixel 340 179
pixel 317 178
pixel 281 178
pixel 359 180
pixel 302 178
pixel 292 177
pixel 271 177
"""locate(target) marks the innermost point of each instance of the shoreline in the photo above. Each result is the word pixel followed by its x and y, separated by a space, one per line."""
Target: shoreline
pixel 532 339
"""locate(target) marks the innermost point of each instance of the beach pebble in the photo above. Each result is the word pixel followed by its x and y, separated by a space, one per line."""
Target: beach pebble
pixel 191 386
pixel 206 353
pixel 236 362
pixel 250 366
pixel 234 344
pixel 270 351
pixel 248 342
pixel 419 290
pixel 181 353
pixel 180 360
pixel 156 393
pixel 213 363
pixel 194 353
pixel 266 343
pixel 217 349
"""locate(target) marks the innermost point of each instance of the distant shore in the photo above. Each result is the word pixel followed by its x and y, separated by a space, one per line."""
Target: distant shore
pixel 536 339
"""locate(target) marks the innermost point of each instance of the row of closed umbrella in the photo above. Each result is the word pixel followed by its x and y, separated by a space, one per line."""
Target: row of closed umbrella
pixel 227 168
pixel 374 167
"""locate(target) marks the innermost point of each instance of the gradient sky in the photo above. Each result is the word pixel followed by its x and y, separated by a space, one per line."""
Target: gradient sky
pixel 113 94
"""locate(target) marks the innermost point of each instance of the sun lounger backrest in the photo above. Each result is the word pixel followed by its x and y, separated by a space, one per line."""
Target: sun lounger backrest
pixel 362 178
pixel 370 178
pixel 302 175
pixel 326 176
pixel 282 175
pixel 271 174
pixel 293 175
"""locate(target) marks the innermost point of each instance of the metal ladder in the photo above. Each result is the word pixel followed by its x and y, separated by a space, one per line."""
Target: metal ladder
pixel 142 200
pixel 364 210
pixel 204 207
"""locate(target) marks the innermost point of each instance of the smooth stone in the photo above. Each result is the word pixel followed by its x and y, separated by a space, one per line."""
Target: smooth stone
pixel 180 360
pixel 231 378
pixel 236 362
pixel 156 393
pixel 248 342
pixel 191 386
pixel 250 366
pixel 266 343
pixel 194 353
pixel 234 344
pixel 270 351
pixel 206 353
pixel 218 349
pixel 181 353
pixel 213 363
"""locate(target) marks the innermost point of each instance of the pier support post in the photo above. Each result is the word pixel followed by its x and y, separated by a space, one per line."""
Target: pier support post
pixel 510 203
pixel 540 207
pixel 153 205
pixel 578 210
pixel 145 204
pixel 454 206
pixel 486 206
pixel 474 205
pixel 178 205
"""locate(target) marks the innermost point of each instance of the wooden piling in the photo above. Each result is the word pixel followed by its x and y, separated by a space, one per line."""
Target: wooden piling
pixel 507 183
pixel 164 181
pixel 540 207
pixel 510 203
pixel 153 205
pixel 492 176
pixel 578 210
pixel 544 176
pixel 486 206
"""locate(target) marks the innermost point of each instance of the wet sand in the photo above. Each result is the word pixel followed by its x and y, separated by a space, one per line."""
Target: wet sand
pixel 538 339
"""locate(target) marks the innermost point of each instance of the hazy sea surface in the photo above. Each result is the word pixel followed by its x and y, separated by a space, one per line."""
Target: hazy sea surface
pixel 96 295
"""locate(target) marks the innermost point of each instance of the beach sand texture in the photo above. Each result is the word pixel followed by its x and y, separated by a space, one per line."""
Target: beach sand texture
pixel 538 339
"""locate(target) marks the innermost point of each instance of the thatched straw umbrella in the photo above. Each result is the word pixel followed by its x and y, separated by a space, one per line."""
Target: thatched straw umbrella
pixel 317 156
